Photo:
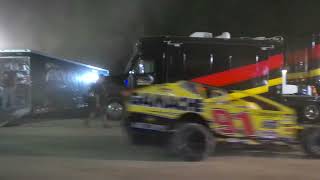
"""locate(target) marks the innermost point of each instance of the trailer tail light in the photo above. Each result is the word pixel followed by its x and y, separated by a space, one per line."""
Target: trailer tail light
pixel 314 91
pixel 126 93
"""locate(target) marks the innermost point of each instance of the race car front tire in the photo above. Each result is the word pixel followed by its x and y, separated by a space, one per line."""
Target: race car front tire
pixel 310 138
pixel 192 142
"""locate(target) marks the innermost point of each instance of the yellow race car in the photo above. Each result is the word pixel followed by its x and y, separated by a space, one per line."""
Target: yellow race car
pixel 194 118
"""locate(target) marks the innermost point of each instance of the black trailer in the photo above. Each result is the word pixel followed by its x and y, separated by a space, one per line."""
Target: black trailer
pixel 32 83
pixel 256 65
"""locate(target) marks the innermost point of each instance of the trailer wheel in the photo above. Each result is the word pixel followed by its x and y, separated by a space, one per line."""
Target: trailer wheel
pixel 115 109
pixel 311 112
pixel 311 142
pixel 192 142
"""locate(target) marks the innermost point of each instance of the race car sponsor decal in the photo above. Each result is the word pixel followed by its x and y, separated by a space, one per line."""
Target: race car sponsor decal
pixel 179 103
pixel 268 134
pixel 269 124
pixel 226 122
pixel 148 126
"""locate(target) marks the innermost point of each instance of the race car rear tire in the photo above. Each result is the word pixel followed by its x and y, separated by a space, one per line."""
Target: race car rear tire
pixel 311 142
pixel 192 142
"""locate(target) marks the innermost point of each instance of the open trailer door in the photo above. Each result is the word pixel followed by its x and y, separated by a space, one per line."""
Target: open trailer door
pixel 15 85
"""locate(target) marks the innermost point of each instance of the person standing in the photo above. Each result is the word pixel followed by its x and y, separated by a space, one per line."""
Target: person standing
pixel 97 104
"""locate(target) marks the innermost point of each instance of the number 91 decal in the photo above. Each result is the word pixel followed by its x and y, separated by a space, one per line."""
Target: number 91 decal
pixel 226 122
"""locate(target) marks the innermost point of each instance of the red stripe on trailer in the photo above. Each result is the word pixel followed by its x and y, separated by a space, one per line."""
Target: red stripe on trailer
pixel 315 52
pixel 304 54
pixel 243 73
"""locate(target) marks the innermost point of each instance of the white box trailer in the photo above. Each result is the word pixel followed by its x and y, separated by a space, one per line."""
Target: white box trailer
pixel 40 84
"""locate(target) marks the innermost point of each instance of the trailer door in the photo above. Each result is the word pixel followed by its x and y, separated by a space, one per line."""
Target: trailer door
pixel 175 64
pixel 15 85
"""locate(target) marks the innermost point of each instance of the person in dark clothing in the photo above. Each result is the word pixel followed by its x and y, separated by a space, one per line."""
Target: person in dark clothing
pixel 98 104
pixel 9 86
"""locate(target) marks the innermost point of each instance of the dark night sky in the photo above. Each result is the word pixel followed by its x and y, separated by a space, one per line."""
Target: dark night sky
pixel 102 32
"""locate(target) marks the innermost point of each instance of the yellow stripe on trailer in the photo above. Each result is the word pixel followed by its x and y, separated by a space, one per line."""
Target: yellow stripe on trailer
pixel 301 75
pixel 315 72
pixel 275 82
pixel 298 75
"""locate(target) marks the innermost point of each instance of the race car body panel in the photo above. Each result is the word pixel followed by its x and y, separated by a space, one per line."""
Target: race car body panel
pixel 240 118
pixel 227 114
pixel 167 100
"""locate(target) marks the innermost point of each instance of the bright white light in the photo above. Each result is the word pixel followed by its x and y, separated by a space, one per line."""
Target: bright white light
pixel 141 68
pixel 90 77
pixel 284 71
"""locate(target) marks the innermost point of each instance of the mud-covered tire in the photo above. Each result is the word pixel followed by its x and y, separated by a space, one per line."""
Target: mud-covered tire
pixel 192 142
pixel 310 138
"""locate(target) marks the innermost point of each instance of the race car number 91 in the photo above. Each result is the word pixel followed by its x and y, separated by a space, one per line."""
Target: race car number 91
pixel 226 122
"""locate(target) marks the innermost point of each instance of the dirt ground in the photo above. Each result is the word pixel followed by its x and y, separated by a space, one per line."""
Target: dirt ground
pixel 65 150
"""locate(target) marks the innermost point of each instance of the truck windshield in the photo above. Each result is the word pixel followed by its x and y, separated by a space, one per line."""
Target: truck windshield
pixel 130 63
pixel 141 66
